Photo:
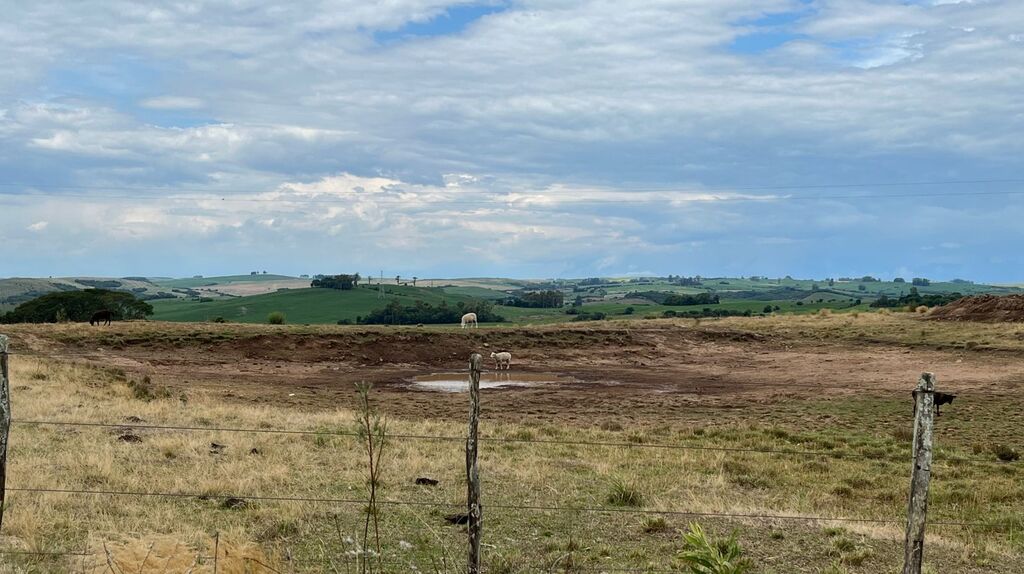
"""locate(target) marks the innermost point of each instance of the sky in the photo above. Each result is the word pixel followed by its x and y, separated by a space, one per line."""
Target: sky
pixel 812 138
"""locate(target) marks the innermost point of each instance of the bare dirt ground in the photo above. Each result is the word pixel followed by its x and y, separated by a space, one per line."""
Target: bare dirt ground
pixel 641 372
pixel 825 383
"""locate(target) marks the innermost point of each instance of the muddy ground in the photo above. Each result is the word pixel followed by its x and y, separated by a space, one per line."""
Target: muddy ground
pixel 639 373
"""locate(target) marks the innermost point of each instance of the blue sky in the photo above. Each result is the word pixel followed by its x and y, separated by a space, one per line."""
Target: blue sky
pixel 518 138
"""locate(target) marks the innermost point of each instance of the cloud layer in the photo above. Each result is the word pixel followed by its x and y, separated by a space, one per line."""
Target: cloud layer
pixel 513 138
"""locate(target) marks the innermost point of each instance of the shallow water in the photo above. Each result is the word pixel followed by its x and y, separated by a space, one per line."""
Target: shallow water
pixel 459 382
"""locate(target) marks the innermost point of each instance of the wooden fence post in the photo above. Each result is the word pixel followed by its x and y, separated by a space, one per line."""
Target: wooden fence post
pixel 475 520
pixel 924 419
pixel 5 421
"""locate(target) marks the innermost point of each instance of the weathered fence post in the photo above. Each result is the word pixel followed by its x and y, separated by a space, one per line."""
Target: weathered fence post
pixel 475 520
pixel 924 418
pixel 5 421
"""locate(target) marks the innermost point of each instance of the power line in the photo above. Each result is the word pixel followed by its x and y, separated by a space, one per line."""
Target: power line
pixel 537 508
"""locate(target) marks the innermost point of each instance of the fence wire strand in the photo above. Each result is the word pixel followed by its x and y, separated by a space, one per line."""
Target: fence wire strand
pixel 538 508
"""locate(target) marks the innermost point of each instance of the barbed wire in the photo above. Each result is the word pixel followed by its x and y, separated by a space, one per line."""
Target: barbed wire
pixel 511 440
pixel 498 506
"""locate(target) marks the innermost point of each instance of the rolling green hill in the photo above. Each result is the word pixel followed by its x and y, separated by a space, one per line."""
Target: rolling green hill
pixel 299 305
pixel 17 290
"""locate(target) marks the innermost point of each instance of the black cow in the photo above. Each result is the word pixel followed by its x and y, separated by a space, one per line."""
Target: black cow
pixel 940 399
pixel 101 317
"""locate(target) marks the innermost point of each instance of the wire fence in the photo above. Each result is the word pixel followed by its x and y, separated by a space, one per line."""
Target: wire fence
pixel 836 454
pixel 995 526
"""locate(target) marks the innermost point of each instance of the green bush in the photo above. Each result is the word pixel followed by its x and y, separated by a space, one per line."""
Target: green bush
pixel 276 318
pixel 703 556
pixel 623 493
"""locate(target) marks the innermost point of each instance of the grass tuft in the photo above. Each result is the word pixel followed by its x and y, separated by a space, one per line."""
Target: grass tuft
pixel 624 493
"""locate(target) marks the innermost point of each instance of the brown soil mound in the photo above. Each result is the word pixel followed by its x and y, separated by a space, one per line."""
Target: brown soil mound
pixel 988 308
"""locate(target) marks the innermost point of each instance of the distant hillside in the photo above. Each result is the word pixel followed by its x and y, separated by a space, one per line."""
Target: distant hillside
pixel 17 290
pixel 194 282
pixel 314 306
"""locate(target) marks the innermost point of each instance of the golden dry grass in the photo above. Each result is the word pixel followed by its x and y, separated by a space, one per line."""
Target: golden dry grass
pixel 319 536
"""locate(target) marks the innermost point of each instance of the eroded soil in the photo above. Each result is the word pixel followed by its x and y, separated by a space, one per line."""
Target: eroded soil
pixel 640 373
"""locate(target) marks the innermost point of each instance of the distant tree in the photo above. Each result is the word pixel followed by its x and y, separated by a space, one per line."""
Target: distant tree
pixel 414 280
pixel 343 282
pixel 78 306
pixel 550 298
pixel 629 311
pixel 767 309
pixel 398 279
pixel 698 299
pixel 421 312
pixel 921 281
pixel 276 318
pixel 861 288
pixel 899 280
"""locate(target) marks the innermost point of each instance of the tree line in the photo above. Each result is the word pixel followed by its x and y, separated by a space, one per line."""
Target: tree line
pixel 915 299
pixel 394 313
pixel 78 306
pixel 548 299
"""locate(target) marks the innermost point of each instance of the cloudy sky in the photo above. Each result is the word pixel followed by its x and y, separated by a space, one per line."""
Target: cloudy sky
pixel 513 138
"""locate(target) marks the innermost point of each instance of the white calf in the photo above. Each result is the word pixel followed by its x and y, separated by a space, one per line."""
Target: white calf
pixel 502 359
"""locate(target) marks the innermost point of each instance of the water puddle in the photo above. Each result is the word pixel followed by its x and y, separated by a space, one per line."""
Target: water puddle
pixel 459 382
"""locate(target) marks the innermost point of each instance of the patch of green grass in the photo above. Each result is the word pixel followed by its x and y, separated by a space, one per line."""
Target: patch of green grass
pixel 623 493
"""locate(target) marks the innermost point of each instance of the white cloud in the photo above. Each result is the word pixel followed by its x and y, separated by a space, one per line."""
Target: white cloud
pixel 172 103
pixel 620 127
pixel 38 226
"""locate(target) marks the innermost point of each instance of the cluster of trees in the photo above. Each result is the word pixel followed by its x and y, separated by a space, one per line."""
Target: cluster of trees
pixel 343 281
pixel 78 306
pixel 689 281
pixel 707 312
pixel 591 281
pixel 915 299
pixel 394 313
pixel 550 298
pixel 920 281
pixel 677 299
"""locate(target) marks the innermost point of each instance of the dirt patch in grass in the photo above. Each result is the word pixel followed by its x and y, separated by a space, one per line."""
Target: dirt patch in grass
pixel 988 308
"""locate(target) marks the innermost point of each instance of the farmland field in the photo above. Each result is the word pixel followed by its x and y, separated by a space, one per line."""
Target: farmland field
pixel 742 401
pixel 237 299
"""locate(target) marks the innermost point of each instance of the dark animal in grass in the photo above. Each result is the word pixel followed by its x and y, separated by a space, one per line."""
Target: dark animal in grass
pixel 461 518
pixel 940 399
pixel 424 481
pixel 101 317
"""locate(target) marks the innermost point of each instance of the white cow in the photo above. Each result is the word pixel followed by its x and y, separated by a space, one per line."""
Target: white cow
pixel 469 319
pixel 502 359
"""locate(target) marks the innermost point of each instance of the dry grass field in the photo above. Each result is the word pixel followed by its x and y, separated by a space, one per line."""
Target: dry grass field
pixel 720 392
